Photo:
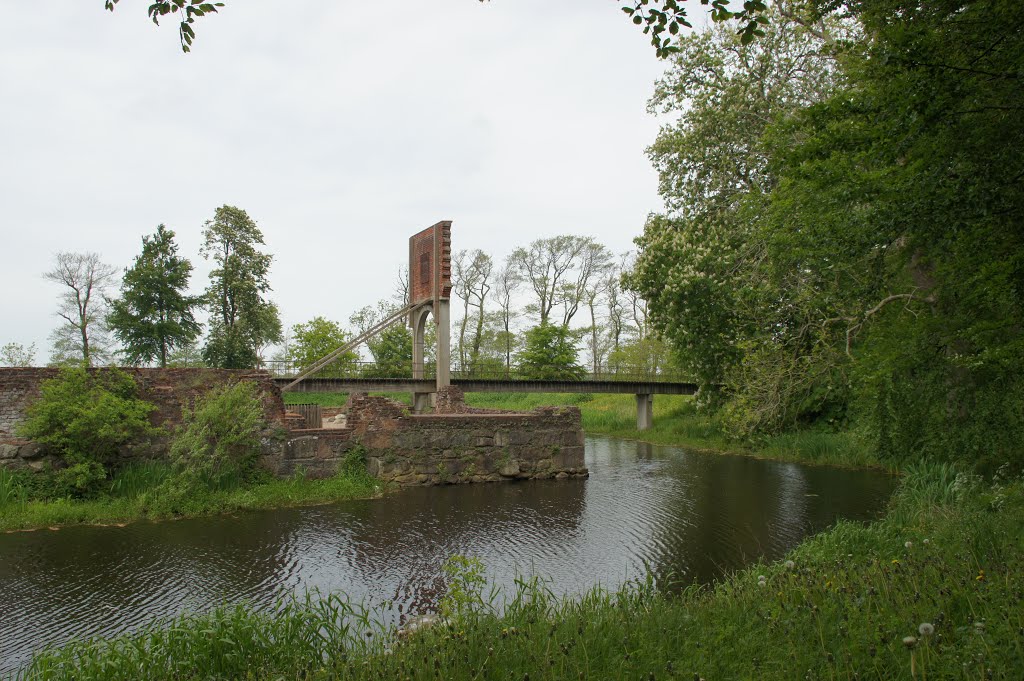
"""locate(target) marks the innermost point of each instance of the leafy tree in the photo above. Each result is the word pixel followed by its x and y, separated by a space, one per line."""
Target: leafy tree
pixel 899 213
pixel 701 266
pixel 392 352
pixel 17 355
pixel 154 314
pixel 189 355
pixel 315 339
pixel 550 353
pixel 82 335
pixel 87 417
pixel 242 321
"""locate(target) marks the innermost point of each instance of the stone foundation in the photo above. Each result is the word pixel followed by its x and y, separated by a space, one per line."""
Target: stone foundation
pixel 457 445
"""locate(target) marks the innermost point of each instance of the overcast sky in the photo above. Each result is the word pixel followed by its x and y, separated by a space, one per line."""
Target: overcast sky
pixel 341 127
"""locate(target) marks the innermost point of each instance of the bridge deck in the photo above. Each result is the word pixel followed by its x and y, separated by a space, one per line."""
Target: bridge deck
pixel 470 385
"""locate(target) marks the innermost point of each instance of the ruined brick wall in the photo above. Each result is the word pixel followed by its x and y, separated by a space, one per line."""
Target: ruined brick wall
pixel 434 449
pixel 170 390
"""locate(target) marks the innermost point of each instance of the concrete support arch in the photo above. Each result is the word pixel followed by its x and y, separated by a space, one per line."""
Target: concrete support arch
pixel 441 312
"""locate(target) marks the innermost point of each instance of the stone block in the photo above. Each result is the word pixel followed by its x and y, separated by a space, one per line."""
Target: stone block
pixel 8 451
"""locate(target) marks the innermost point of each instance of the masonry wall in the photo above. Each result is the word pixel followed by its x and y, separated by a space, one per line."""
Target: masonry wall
pixel 433 449
pixel 460 445
pixel 170 390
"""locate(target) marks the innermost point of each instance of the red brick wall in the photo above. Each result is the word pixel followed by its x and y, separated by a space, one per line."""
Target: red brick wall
pixel 422 266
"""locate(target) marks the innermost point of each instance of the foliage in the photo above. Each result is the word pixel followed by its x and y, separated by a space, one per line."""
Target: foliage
pixel 81 337
pixel 464 588
pixel 550 353
pixel 841 245
pixel 852 600
pixel 154 314
pixel 17 355
pixel 87 417
pixel 317 338
pixel 392 352
pixel 242 321
pixel 189 10
pixel 220 436
pixel 658 18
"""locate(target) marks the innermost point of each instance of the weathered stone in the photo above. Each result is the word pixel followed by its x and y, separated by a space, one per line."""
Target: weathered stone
pixel 484 441
pixel 32 450
pixel 8 451
pixel 509 470
pixel 561 475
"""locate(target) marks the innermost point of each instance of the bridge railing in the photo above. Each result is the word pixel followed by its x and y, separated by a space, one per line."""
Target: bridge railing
pixel 485 372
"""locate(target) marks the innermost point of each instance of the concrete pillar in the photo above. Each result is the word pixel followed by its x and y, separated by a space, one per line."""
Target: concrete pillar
pixel 644 411
pixel 444 347
pixel 418 322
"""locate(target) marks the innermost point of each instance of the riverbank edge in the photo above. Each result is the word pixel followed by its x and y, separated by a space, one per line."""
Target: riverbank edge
pixel 151 506
pixel 933 588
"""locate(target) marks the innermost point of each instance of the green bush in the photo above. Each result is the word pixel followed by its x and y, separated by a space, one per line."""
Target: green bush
pixel 86 418
pixel 219 441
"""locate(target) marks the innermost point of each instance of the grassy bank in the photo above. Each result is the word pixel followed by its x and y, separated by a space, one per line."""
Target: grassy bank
pixel 677 421
pixel 932 591
pixel 147 492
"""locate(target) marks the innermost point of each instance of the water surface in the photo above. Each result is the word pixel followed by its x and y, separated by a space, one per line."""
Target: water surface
pixel 680 514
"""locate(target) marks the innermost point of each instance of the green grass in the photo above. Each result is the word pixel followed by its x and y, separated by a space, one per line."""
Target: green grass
pixel 949 554
pixel 678 421
pixel 139 492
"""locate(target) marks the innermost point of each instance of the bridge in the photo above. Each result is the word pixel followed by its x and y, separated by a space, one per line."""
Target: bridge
pixel 372 378
pixel 429 294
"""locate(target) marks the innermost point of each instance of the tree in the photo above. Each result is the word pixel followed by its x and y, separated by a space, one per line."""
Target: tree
pixel 546 266
pixel 392 352
pixel 17 355
pixel 81 306
pixel 507 283
pixel 701 265
pixel 317 338
pixel 154 314
pixel 242 321
pixel 471 282
pixel 550 353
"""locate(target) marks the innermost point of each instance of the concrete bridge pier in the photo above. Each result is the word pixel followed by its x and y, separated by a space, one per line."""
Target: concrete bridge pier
pixel 644 411
pixel 440 310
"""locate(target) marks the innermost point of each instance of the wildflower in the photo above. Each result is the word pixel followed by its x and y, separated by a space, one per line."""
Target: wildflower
pixel 790 565
pixel 979 627
pixel 909 641
pixel 908 544
pixel 895 562
pixel 924 541
pixel 926 629
pixel 981 576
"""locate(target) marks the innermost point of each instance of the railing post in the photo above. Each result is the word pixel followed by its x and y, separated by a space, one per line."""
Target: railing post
pixel 644 411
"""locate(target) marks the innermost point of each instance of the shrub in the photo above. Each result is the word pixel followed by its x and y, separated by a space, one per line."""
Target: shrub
pixel 219 440
pixel 86 417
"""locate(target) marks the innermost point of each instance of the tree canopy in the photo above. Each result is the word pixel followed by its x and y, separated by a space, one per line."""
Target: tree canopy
pixel 242 320
pixel 154 314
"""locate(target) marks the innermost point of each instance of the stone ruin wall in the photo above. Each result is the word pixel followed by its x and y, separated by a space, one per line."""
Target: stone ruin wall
pixel 169 390
pixel 459 444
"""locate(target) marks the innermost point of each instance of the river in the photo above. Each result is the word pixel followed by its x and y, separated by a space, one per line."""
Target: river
pixel 686 515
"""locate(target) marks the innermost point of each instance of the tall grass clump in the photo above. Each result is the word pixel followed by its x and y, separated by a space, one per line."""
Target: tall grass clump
pixel 12 492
